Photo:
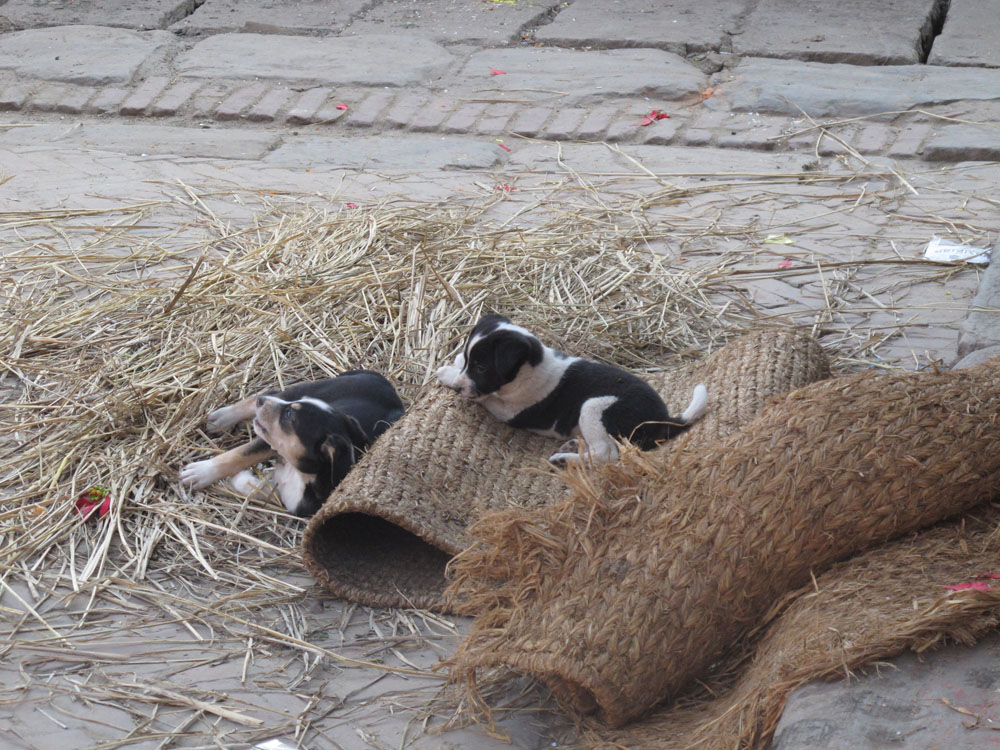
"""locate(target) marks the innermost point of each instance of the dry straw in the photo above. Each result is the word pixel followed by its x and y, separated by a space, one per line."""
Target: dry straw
pixel 624 594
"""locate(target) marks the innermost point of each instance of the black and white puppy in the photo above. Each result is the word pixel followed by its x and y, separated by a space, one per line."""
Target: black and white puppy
pixel 526 384
pixel 318 431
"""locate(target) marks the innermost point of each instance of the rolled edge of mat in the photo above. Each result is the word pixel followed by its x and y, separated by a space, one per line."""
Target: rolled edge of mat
pixel 373 557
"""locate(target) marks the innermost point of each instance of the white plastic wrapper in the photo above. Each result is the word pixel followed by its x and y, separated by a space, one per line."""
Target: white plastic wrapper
pixel 951 252
pixel 274 745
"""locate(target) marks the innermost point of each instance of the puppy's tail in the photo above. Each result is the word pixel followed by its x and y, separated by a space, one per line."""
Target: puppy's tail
pixel 651 434
pixel 698 405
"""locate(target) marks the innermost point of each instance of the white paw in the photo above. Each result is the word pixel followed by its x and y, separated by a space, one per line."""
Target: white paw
pixel 247 483
pixel 561 459
pixel 570 446
pixel 447 375
pixel 221 420
pixel 199 474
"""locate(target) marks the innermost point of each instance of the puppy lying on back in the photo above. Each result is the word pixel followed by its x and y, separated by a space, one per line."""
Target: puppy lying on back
pixel 317 430
pixel 526 384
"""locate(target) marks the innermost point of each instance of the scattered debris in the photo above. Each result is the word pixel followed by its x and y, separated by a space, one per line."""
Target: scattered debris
pixel 952 252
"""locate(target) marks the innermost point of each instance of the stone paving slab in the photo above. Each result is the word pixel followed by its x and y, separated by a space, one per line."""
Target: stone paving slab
pixel 850 31
pixel 135 14
pixel 840 90
pixel 971 35
pixel 271 16
pixel 963 143
pixel 455 21
pixel 585 77
pixel 88 55
pixel 372 60
pixel 680 26
pixel 902 706
pixel 387 152
pixel 140 139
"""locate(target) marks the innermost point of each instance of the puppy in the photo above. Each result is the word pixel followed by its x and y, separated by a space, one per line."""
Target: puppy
pixel 526 384
pixel 317 430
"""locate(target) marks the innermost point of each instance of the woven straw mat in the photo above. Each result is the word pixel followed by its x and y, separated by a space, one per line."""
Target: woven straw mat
pixel 622 595
pixel 387 532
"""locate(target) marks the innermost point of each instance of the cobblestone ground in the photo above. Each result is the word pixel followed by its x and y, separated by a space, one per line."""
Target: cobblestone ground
pixel 206 108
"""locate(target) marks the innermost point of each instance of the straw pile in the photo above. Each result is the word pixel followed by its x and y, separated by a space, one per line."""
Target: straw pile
pixel 623 594
pixel 385 536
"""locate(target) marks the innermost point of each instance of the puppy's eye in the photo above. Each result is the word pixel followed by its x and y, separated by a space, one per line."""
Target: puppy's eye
pixel 287 413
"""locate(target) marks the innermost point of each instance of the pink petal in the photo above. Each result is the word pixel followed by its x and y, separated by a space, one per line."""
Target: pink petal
pixel 495 72
pixel 351 205
pixel 503 147
pixel 973 585
pixel 341 106
pixel 785 263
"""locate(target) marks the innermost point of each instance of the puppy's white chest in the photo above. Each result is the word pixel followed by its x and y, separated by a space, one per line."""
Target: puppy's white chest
pixel 290 484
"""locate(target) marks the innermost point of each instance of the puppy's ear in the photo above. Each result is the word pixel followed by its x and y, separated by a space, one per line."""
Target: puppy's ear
pixel 509 354
pixel 357 435
pixel 341 455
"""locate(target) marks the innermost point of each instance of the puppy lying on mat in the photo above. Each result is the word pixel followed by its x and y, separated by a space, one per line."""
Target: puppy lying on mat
pixel 317 430
pixel 526 384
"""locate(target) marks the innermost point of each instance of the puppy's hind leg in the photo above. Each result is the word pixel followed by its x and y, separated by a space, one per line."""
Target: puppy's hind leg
pixel 222 419
pixel 599 446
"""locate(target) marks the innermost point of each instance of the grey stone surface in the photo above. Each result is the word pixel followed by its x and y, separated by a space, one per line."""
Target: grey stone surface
pixel 982 326
pixel 386 152
pixel 971 35
pixel 144 140
pixel 977 357
pixel 89 55
pixel 135 14
pixel 849 31
pixel 681 26
pixel 271 16
pixel 372 60
pixel 963 143
pixel 836 89
pixel 453 21
pixel 590 76
pixel 901 706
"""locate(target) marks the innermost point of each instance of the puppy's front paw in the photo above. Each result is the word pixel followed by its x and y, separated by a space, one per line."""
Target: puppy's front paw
pixel 199 474
pixel 221 420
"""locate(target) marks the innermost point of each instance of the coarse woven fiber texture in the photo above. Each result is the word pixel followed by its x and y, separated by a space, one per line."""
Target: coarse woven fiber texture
pixel 868 608
pixel 387 533
pixel 628 590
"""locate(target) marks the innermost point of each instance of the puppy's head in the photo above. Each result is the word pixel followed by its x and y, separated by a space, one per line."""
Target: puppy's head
pixel 494 354
pixel 310 435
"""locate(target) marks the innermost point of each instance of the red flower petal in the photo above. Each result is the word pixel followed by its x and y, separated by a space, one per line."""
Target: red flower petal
pixel 495 72
pixel 96 498
pixel 341 106
pixel 973 585
pixel 785 263
pixel 351 205
pixel 503 147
